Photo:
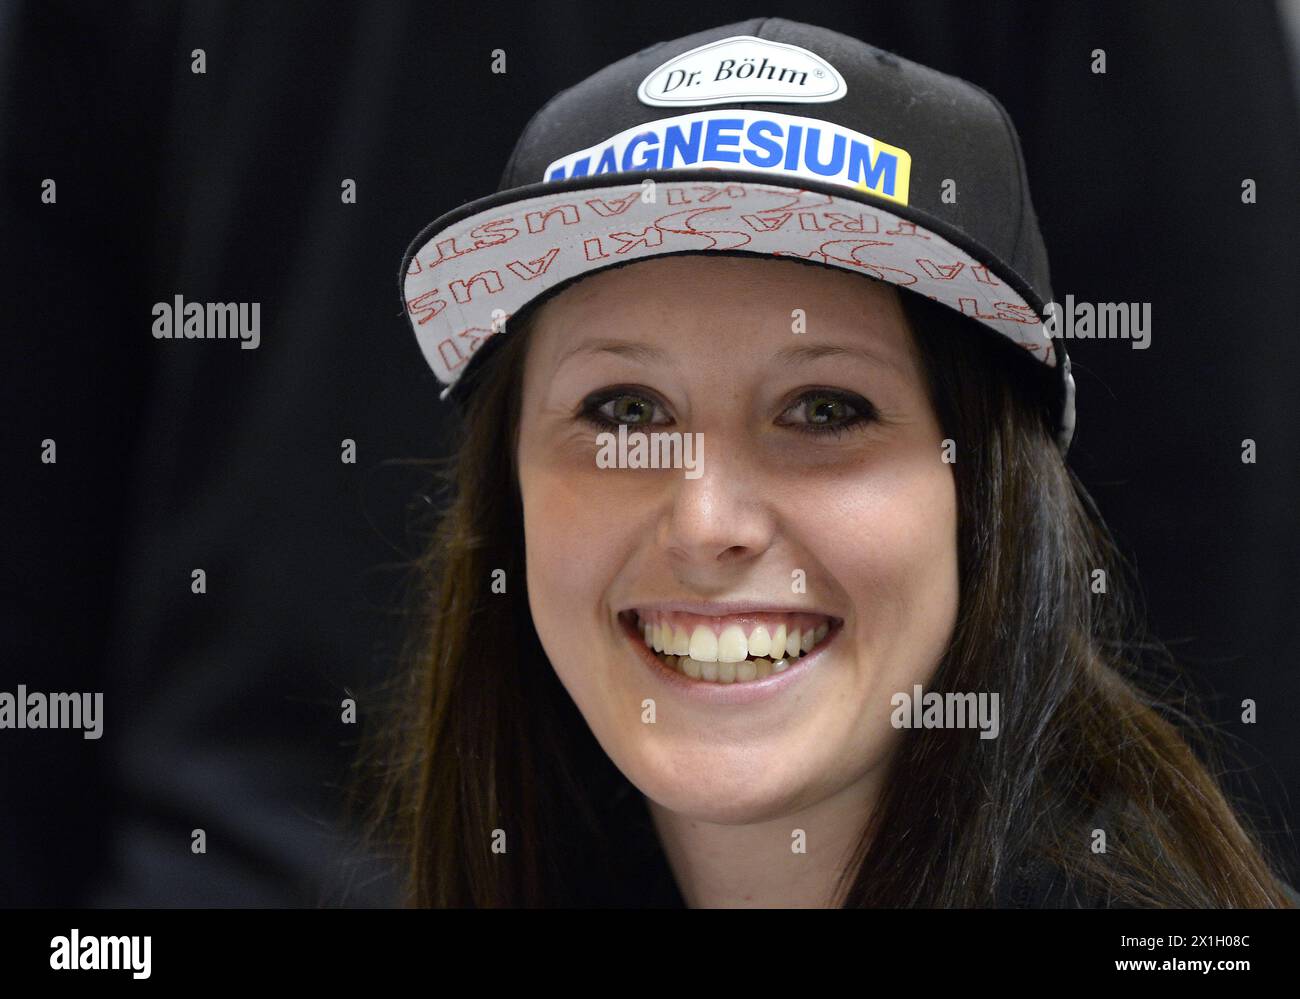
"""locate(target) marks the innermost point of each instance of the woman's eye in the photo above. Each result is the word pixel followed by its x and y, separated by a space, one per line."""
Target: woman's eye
pixel 829 412
pixel 628 408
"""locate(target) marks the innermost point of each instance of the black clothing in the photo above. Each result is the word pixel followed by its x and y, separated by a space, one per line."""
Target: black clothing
pixel 1033 884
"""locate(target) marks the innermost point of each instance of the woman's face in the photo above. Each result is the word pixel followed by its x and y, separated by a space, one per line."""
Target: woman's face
pixel 816 500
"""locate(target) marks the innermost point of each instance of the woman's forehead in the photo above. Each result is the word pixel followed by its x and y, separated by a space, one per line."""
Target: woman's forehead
pixel 666 298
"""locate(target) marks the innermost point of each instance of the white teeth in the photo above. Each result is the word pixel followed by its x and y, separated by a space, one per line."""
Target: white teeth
pixel 731 657
pixel 704 645
pixel 726 672
pixel 732 647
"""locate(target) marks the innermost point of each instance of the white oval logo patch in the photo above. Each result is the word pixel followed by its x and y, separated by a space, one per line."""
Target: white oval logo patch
pixel 742 68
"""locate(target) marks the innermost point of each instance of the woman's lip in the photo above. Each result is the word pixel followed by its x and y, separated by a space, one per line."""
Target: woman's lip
pixel 711 692
pixel 725 608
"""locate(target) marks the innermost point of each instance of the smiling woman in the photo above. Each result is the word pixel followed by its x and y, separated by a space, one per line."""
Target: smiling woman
pixel 687 690
pixel 732 644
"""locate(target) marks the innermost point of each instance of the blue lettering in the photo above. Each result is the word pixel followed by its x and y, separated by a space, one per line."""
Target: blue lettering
pixel 756 138
pixel 714 141
pixel 812 147
pixel 792 147
pixel 675 143
pixel 579 169
pixel 608 162
pixel 651 158
pixel 879 176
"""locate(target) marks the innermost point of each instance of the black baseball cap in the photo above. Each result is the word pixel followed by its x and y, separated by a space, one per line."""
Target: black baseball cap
pixel 767 137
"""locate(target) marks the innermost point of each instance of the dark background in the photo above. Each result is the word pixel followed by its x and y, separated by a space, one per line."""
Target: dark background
pixel 222 711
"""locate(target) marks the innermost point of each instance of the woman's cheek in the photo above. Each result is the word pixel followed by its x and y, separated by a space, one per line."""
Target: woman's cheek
pixel 572 529
pixel 554 518
pixel 890 540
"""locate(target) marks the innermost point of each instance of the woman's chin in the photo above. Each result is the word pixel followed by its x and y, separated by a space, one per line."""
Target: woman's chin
pixel 744 808
pixel 735 793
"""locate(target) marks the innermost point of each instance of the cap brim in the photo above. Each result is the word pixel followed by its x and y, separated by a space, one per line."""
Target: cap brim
pixel 469 271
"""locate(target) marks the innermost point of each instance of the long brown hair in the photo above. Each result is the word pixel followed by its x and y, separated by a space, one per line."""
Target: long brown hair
pixel 484 785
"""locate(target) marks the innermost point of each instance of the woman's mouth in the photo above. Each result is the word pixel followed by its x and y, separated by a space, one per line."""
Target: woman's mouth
pixel 729 649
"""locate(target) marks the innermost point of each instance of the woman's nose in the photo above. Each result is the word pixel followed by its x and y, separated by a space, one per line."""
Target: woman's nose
pixel 722 515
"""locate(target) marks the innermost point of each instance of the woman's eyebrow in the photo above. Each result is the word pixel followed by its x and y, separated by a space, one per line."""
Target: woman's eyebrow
pixel 636 351
pixel 650 354
pixel 816 351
